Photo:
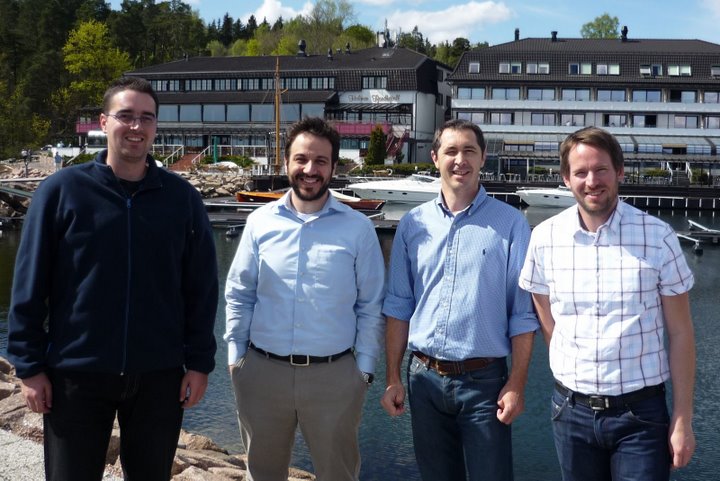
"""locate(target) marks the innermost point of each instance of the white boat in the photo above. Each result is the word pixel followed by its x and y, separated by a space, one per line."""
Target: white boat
pixel 559 196
pixel 415 188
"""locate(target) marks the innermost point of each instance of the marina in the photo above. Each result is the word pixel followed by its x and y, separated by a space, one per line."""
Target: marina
pixel 386 446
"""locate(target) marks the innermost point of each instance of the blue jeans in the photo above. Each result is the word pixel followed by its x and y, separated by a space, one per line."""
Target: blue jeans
pixel 77 429
pixel 621 444
pixel 456 432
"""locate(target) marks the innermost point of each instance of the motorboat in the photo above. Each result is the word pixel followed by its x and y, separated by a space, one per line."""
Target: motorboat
pixel 354 202
pixel 559 196
pixel 413 189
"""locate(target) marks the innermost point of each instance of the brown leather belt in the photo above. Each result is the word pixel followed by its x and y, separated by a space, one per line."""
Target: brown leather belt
pixel 454 368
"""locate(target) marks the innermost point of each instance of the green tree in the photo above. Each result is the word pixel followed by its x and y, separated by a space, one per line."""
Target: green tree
pixel 217 49
pixel 376 148
pixel 603 26
pixel 93 62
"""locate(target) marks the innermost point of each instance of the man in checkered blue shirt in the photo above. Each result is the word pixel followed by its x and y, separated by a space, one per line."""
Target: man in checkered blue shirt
pixel 608 282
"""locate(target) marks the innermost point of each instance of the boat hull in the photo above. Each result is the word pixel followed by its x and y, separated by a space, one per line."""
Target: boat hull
pixel 547 197
pixel 264 197
pixel 414 189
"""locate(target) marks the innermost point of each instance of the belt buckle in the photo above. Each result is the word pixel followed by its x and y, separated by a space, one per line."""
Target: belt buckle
pixel 300 364
pixel 598 403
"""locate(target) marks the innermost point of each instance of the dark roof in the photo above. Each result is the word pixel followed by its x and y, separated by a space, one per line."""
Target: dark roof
pixel 370 59
pixel 255 97
pixel 405 69
pixel 629 54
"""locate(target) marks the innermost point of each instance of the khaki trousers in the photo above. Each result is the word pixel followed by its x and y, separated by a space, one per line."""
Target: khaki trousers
pixel 324 399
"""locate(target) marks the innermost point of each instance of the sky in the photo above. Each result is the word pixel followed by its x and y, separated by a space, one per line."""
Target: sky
pixel 494 21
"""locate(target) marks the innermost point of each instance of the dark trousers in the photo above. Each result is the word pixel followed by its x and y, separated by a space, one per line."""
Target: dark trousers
pixel 77 430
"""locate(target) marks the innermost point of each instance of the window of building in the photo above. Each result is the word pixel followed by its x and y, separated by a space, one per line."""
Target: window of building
pixel 249 84
pixel 582 68
pixel 712 122
pixel 696 149
pixel 683 96
pixel 262 113
pixel 712 97
pixel 504 67
pixel 679 70
pixel 646 96
pixel 608 95
pixel 648 70
pixel 644 121
pixel 546 146
pixel 541 94
pixel 715 70
pixel 686 122
pixel 166 85
pixel 294 83
pixel 656 70
pixel 322 83
pixel 614 120
pixel 572 120
pixel 474 67
pixel 374 82
pixel 501 118
pixel 542 119
pixel 190 113
pixel 168 113
pixel 198 85
pixel 213 113
pixel 515 67
pixel 290 112
pixel 510 67
pixel 518 147
pixel 313 110
pixel 470 93
pixel 499 93
pixel 607 69
pixel 577 95
pixel 542 68
pixel 238 113
pixel 474 117
pixel 225 84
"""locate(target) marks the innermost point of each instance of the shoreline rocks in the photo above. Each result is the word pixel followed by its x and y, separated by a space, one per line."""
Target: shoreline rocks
pixel 197 457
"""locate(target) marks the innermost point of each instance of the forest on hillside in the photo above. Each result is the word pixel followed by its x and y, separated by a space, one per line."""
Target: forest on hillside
pixel 57 57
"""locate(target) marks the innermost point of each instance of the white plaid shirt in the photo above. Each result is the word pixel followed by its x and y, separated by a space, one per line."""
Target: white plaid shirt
pixel 604 291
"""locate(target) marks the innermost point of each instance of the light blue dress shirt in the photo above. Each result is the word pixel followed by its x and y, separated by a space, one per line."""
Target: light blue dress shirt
pixel 312 286
pixel 455 279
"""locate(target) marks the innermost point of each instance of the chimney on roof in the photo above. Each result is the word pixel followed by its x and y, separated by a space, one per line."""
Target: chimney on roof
pixel 330 57
pixel 517 34
pixel 624 33
pixel 553 35
pixel 301 48
pixel 347 47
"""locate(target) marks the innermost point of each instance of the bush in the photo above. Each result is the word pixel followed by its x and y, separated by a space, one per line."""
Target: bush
pixel 657 172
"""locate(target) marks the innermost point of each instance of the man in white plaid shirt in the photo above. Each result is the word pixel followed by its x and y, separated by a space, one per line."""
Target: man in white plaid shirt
pixel 608 281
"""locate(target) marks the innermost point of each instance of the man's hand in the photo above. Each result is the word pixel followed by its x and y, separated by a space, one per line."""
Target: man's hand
pixel 37 392
pixel 393 401
pixel 511 403
pixel 681 440
pixel 192 389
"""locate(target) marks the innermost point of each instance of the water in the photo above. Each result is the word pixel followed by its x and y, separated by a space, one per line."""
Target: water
pixel 386 443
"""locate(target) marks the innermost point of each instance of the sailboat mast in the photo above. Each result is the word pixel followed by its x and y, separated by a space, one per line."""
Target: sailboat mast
pixel 277 115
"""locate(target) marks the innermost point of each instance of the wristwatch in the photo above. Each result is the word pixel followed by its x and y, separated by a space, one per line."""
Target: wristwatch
pixel 368 378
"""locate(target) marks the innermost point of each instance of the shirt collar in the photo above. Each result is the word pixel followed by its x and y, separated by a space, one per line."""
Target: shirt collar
pixel 479 199
pixel 610 225
pixel 331 205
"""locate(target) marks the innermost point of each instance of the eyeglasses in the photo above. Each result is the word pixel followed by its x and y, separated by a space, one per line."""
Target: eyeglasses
pixel 127 118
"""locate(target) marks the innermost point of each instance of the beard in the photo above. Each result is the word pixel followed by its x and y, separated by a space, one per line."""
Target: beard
pixel 309 195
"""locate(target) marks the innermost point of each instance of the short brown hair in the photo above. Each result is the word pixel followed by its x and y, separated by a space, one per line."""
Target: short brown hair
pixel 129 83
pixel 458 124
pixel 317 127
pixel 596 137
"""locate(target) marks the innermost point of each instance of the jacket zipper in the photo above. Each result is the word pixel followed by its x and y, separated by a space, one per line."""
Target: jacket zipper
pixel 128 201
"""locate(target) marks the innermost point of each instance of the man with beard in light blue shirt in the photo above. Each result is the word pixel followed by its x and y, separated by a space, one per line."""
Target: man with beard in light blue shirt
pixel 304 323
pixel 453 300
